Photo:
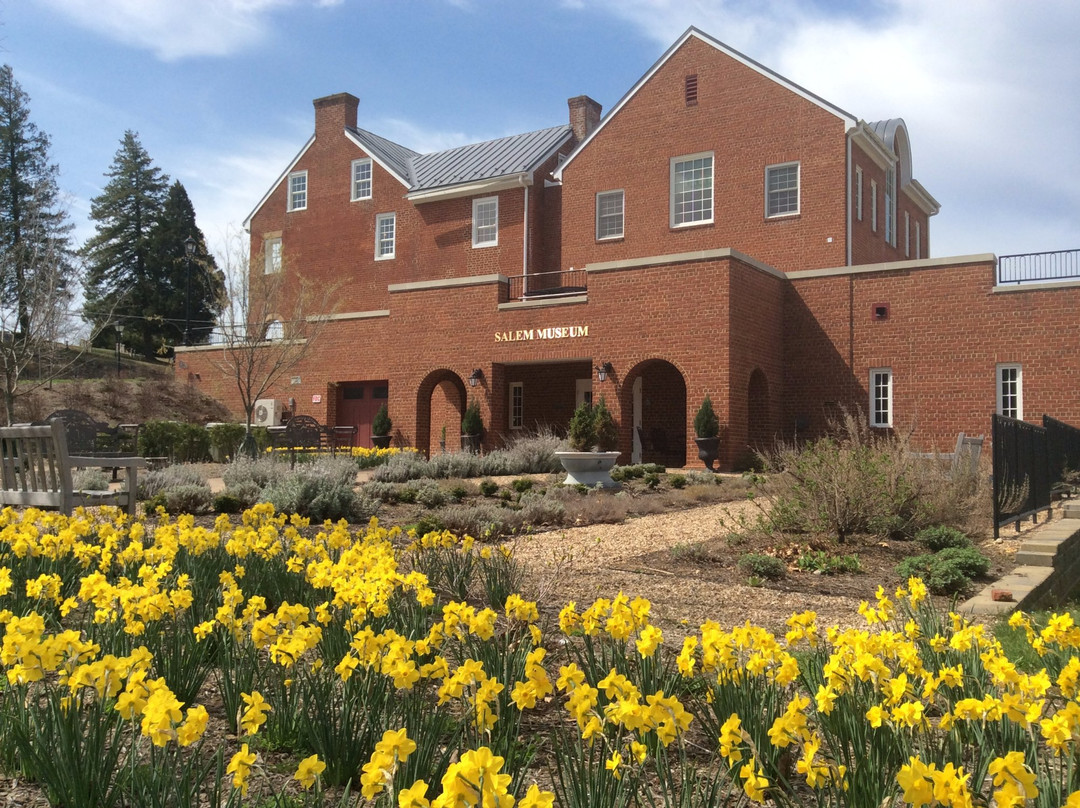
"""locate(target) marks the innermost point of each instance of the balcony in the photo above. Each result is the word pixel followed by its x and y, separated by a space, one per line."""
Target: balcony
pixel 1042 267
pixel 547 285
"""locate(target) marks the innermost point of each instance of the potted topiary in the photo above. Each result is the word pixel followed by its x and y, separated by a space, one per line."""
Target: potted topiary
pixel 472 427
pixel 380 429
pixel 593 436
pixel 707 431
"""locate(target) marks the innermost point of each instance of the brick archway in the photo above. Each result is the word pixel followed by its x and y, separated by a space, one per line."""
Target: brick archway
pixel 440 402
pixel 663 412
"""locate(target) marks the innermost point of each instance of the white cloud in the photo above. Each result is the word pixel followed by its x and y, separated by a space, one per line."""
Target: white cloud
pixel 175 29
pixel 987 88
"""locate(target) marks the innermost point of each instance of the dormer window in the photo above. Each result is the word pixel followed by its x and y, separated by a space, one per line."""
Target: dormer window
pixel 297 191
pixel 361 179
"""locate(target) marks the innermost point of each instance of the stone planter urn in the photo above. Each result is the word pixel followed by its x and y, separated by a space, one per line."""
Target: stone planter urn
pixel 588 468
pixel 708 450
pixel 381 441
pixel 470 443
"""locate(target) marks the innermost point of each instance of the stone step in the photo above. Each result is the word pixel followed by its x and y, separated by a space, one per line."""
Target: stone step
pixel 1071 510
pixel 1035 558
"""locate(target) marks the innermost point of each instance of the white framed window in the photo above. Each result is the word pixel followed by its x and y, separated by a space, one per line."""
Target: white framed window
pixel 781 190
pixel 918 239
pixel 873 205
pixel 881 410
pixel 907 235
pixel 858 193
pixel 692 189
pixel 517 405
pixel 609 214
pixel 1010 390
pixel 361 179
pixel 485 222
pixel 890 206
pixel 298 190
pixel 385 236
pixel 272 256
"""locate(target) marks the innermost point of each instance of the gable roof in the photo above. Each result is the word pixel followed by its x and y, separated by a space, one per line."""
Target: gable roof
pixel 390 155
pixel 692 32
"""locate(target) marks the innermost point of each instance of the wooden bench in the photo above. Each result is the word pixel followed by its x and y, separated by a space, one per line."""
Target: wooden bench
pixel 35 471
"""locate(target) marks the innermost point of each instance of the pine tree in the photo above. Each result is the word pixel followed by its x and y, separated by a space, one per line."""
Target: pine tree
pixel 120 283
pixel 183 311
pixel 34 228
pixel 37 269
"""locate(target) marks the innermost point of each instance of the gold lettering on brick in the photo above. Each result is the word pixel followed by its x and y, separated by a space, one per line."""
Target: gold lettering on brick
pixel 551 332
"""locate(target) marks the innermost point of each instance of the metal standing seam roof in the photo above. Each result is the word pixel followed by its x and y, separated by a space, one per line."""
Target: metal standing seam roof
pixel 393 154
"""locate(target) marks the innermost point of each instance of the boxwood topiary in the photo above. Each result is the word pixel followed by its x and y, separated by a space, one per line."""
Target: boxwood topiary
pixel 706 422
pixel 382 424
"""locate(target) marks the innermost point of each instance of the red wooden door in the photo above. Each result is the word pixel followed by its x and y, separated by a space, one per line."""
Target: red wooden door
pixel 357 405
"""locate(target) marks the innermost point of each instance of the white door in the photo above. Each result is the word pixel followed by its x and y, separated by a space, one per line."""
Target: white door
pixel 584 392
pixel 635 455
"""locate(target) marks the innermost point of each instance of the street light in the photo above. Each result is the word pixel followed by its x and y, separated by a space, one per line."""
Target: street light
pixel 189 251
pixel 119 334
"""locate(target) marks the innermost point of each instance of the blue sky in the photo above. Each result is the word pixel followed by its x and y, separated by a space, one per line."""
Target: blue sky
pixel 220 91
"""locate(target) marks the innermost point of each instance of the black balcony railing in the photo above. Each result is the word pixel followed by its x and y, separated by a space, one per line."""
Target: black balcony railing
pixel 1061 265
pixel 548 284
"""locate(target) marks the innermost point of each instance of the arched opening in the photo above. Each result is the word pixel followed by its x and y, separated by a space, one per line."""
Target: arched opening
pixel 274 331
pixel 759 428
pixel 657 410
pixel 440 403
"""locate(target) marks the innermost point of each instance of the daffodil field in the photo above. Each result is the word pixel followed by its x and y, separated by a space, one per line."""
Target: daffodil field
pixel 404 671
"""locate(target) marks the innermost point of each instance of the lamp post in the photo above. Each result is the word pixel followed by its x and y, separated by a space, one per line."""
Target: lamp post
pixel 119 334
pixel 189 251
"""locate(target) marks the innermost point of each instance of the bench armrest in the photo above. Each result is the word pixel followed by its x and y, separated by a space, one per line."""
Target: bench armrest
pixel 85 461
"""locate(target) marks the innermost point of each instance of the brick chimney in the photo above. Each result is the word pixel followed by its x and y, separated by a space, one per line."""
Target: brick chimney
pixel 584 116
pixel 333 113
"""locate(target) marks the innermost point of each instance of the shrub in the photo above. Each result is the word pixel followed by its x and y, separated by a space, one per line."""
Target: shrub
pixel 407 494
pixel 246 492
pixel 430 495
pixel 458 492
pixel 228 503
pixel 158 439
pixel 488 487
pixel 652 480
pixel 522 484
pixel 604 427
pixel 582 432
pixel 706 422
pixel 192 444
pixel 381 425
pixel 403 467
pixel 941 537
pixel 947 572
pixel 454 464
pixel 677 480
pixel 764 566
pixel 820 561
pixel 225 440
pixel 188 498
pixel 537 509
pixel 260 472
pixel 384 492
pixel 483 519
pixel 471 422
pixel 319 497
pixel 155 482
pixel 90 480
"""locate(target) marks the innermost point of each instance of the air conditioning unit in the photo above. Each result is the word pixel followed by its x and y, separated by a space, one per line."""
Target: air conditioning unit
pixel 267 412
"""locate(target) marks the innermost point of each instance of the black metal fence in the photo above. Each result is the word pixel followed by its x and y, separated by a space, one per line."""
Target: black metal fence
pixel 1060 265
pixel 1030 463
pixel 564 283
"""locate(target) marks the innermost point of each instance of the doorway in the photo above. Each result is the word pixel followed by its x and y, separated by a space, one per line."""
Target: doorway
pixel 358 402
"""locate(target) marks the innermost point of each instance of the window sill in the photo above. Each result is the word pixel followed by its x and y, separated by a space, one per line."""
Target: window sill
pixel 384 257
pixel 611 239
pixel 690 225
pixel 782 216
pixel 485 245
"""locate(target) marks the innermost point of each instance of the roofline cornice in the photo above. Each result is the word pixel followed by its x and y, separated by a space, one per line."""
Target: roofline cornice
pixel 277 182
pixel 519 180
pixel 692 32
pixel 922 198
pixel 875 148
pixel 371 153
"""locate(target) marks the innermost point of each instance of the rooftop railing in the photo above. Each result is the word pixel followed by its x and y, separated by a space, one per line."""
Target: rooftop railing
pixel 1061 265
pixel 564 283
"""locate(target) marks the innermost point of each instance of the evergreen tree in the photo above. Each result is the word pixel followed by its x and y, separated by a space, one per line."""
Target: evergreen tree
pixel 34 228
pixel 120 283
pixel 176 305
pixel 37 269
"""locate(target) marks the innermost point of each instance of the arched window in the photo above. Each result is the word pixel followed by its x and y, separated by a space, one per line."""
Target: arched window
pixel 274 331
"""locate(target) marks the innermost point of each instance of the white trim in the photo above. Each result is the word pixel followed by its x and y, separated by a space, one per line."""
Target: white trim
pixel 895 266
pixel 873 146
pixel 685 258
pixel 798 190
pixel 382 217
pixel 374 156
pixel 873 206
pixel 1018 391
pixel 477 203
pixel 360 161
pixel 447 283
pixel 918 240
pixel 847 119
pixel 686 158
pixel 543 302
pixel 277 182
pixel 907 234
pixel 858 193
pixel 622 214
pixel 348 315
pixel 921 197
pixel 874 384
pixel 518 387
pixel 289 205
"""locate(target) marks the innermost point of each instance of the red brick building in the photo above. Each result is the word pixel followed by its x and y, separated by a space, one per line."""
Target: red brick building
pixel 720 231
